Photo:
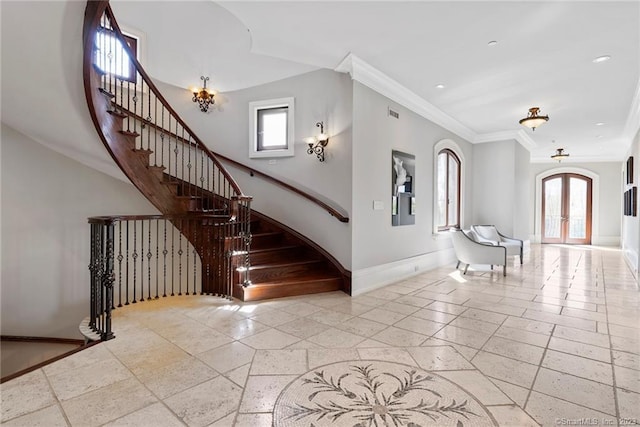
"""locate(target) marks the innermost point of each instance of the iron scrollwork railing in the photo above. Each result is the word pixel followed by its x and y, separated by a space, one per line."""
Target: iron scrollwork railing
pixel 147 257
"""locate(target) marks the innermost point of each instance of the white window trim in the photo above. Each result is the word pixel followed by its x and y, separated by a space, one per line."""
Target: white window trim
pixel 439 146
pixel 253 127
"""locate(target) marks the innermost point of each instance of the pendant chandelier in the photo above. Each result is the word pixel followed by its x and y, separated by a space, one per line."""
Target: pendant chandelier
pixel 559 155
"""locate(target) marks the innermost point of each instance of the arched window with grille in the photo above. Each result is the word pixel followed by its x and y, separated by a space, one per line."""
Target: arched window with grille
pixel 448 171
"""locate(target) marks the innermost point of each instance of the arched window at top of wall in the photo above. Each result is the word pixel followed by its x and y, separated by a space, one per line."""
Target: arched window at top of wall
pixel 448 167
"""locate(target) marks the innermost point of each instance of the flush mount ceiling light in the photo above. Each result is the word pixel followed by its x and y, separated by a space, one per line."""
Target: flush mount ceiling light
pixel 559 155
pixel 533 120
pixel 492 43
pixel 599 124
pixel 602 58
pixel 440 86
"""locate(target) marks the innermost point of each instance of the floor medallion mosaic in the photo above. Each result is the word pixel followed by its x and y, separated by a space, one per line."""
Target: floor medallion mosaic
pixel 368 393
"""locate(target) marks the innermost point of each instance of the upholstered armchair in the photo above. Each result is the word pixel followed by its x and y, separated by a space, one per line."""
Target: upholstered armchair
pixel 490 234
pixel 468 251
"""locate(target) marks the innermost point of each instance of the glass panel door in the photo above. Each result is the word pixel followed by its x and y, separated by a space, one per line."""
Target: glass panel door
pixel 552 208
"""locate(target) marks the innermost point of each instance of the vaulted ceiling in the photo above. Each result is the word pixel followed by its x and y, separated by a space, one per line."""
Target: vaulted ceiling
pixel 543 58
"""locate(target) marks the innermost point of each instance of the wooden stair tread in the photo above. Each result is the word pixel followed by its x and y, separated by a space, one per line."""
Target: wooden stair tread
pixel 310 277
pixel 130 133
pixel 283 264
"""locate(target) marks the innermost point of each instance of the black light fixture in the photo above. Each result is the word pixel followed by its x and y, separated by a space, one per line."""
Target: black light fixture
pixel 317 143
pixel 533 120
pixel 203 97
pixel 559 155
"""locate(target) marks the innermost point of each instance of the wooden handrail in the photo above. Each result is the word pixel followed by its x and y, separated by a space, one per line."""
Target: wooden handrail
pixel 251 171
pixel 147 79
pixel 107 219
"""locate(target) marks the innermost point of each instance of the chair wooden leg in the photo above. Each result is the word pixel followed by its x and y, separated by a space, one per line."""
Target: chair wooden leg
pixel 457 265
pixel 504 270
pixel 492 266
pixel 466 268
pixel 520 256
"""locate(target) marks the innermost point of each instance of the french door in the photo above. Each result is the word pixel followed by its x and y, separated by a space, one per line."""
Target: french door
pixel 566 209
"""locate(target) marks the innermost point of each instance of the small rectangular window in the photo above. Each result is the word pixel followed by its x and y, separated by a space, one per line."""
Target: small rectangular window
pixel 111 56
pixel 271 127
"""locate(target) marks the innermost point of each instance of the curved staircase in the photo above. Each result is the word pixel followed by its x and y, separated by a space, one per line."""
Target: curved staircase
pixel 241 253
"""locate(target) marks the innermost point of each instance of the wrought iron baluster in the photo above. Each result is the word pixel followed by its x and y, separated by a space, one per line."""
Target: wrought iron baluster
pixel 142 261
pixel 180 252
pixel 108 280
pixel 135 260
pixel 164 256
pixel 157 258
pixel 149 256
pixel 120 258
pixel 127 265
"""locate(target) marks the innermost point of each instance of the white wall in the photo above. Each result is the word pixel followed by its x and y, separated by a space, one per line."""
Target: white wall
pixel 630 235
pixel 606 198
pixel 379 247
pixel 322 95
pixel 46 199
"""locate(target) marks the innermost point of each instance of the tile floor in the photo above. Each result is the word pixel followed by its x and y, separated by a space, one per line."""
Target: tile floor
pixel 556 342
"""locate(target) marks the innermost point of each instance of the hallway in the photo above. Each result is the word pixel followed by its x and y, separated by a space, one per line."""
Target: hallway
pixel 554 342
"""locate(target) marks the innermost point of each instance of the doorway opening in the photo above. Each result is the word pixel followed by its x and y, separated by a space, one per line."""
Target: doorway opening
pixel 566 209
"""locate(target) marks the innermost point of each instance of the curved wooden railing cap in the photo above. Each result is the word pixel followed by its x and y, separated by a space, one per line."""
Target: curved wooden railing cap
pixel 102 6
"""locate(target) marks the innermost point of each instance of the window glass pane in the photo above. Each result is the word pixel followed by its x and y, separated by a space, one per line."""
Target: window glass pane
pixel 552 207
pixel 577 208
pixel 111 57
pixel 272 128
pixel 441 188
pixel 453 191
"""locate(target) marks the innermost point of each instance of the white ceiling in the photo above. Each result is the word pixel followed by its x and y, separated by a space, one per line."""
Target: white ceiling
pixel 543 58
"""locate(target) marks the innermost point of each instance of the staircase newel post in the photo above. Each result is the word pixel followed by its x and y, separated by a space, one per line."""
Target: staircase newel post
pixel 246 224
pixel 108 279
pixel 92 272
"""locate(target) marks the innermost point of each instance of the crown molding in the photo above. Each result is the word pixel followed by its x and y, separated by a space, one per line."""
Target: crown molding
pixel 370 76
pixel 632 126
pixel 519 135
pixel 580 159
pixel 375 79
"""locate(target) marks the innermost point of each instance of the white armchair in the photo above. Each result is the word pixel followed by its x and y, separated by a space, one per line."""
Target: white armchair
pixel 468 251
pixel 490 234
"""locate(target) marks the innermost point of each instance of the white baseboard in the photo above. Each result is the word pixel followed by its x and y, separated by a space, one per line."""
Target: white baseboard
pixel 631 257
pixel 606 241
pixel 595 240
pixel 368 279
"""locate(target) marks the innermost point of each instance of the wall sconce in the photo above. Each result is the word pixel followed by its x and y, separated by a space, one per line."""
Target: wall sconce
pixel 203 97
pixel 317 143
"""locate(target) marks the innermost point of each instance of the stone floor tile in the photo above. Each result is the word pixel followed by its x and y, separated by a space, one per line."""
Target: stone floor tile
pixel 329 317
pixel 239 375
pixel 529 325
pixel 593 338
pixel 398 355
pixel 576 390
pixel 447 308
pixel 512 415
pixel 270 339
pixel 113 401
pixel 466 352
pixel 462 336
pixel 434 316
pixel 579 366
pixel 301 309
pixel 522 336
pixel 25 394
pixel 414 301
pixel 261 392
pixel 579 349
pixel 153 415
pixel 515 350
pixel 383 316
pixel 628 404
pixel 253 420
pixel 279 362
pixel 420 326
pixel 516 393
pixel 475 325
pixel 274 317
pixel 627 360
pixel 319 357
pixel 628 344
pixel 50 416
pixel 88 378
pixel 551 411
pixel 176 377
pixel 228 357
pixel 336 338
pixel 485 316
pixel 400 337
pixel 479 386
pixel 628 379
pixel 505 369
pixel 303 328
pixel 361 326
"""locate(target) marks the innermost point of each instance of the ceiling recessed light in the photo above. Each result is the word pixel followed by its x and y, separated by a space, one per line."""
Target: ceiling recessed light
pixel 492 43
pixel 440 86
pixel 599 124
pixel 602 58
pixel 599 136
